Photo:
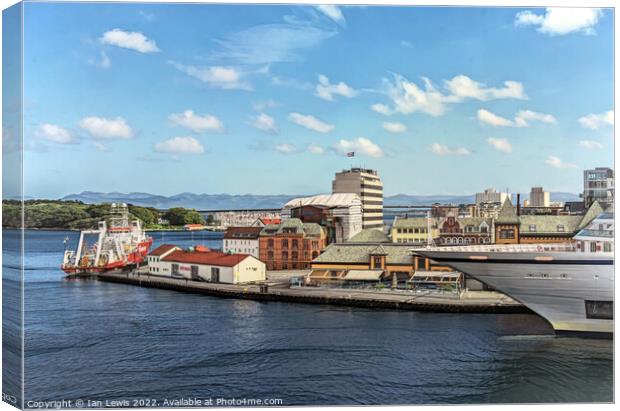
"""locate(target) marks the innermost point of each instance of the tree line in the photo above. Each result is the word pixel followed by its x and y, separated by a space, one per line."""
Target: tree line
pixel 76 215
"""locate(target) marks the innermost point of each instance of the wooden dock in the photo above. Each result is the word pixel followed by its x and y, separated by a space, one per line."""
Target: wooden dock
pixel 387 299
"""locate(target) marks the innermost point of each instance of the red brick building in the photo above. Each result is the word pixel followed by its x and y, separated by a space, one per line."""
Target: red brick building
pixel 291 245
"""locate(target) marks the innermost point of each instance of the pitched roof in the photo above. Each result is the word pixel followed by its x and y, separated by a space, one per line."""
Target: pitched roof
pixel 268 221
pixel 507 214
pixel 549 224
pixel 594 210
pixel 242 233
pixel 292 226
pixel 209 258
pixel 360 253
pixel 369 235
pixel 162 249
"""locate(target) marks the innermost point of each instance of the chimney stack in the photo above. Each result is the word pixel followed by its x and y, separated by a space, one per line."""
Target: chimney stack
pixel 518 204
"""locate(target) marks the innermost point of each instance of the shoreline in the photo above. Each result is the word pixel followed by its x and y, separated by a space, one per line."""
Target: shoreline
pixel 311 295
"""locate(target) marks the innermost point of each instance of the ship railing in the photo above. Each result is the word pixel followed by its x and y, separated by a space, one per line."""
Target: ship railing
pixel 507 248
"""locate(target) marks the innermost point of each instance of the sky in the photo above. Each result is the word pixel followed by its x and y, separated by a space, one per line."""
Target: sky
pixel 170 98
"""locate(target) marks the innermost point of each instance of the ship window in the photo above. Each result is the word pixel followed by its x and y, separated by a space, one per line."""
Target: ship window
pixel 545 275
pixel 593 247
pixel 600 310
pixel 607 247
pixel 563 276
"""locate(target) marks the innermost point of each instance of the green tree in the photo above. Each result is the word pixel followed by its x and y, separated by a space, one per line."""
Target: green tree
pixel 181 216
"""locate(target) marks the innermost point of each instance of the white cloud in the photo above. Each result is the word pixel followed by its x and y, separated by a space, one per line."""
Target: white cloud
pixel 500 144
pixel 523 116
pixel 271 43
pixel 394 127
pixel 557 21
pixel 264 123
pixel 381 109
pixel 54 133
pixel 129 40
pixel 360 145
pixel 326 91
pixel 197 123
pixel 554 161
pixel 311 122
pixel 485 116
pixel 463 87
pixel 521 119
pixel 316 149
pixel 227 78
pixel 103 62
pixel 333 12
pixel 596 121
pixel 180 145
pixel 406 43
pixel 106 128
pixel 590 144
pixel 264 105
pixel 285 148
pixel 443 150
pixel 291 82
pixel 407 97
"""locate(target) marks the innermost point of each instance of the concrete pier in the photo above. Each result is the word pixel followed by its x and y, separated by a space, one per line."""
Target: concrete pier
pixel 490 303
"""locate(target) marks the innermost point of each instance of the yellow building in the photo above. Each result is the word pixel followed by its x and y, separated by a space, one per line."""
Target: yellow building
pixel 413 230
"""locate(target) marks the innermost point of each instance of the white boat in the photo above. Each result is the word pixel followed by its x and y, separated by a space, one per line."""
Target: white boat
pixel 570 284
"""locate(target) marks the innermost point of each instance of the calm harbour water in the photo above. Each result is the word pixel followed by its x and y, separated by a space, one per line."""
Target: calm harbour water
pixel 93 340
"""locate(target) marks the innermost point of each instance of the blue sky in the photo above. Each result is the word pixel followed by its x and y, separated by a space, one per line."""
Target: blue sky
pixel 268 99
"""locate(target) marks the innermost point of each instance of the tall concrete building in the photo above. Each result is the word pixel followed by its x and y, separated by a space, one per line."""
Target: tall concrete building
pixel 368 186
pixel 491 196
pixel 539 198
pixel 598 185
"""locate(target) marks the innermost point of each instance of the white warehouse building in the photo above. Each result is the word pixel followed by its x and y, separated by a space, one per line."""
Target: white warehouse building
pixel 212 266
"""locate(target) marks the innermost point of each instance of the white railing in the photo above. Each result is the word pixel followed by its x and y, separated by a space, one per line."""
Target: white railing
pixel 506 248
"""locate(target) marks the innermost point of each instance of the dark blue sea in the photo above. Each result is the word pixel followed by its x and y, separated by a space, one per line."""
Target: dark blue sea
pixel 88 340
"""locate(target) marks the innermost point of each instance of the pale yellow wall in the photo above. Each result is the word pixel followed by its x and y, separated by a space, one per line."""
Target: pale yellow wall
pixel 413 237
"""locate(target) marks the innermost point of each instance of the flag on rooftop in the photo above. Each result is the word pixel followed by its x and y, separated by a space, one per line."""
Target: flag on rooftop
pixel 351 154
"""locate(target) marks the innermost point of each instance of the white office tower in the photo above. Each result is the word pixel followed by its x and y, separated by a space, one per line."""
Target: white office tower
pixel 368 186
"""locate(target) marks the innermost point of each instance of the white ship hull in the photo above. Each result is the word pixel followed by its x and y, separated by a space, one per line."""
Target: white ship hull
pixel 555 285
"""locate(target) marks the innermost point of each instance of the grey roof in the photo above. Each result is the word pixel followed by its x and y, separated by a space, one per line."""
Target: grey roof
pixel 594 210
pixel 297 226
pixel 360 253
pixel 370 235
pixel 548 224
pixel 410 222
pixel 475 221
pixel 312 229
pixel 507 214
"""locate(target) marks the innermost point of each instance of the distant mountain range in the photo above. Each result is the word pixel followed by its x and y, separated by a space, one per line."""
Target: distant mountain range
pixel 251 201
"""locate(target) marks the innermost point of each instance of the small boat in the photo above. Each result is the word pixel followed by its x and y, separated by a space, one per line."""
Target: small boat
pixel 121 245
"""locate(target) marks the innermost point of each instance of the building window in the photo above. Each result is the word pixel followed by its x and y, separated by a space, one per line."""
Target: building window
pixel 532 227
pixel 270 243
pixel 560 228
pixel 284 243
pixel 507 233
pixel 295 244
pixel 377 262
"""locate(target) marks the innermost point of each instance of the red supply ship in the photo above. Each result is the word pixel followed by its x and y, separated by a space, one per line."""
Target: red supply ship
pixel 121 245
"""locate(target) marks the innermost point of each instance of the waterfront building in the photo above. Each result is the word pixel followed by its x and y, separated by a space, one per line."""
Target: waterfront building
pixel 538 198
pixel 193 227
pixel 205 265
pixel 355 263
pixel 414 230
pixel 512 228
pixel 598 185
pixel 466 230
pixel 491 196
pixel 507 224
pixel 242 240
pixel 368 186
pixel 444 210
pixel 292 244
pixel 340 214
